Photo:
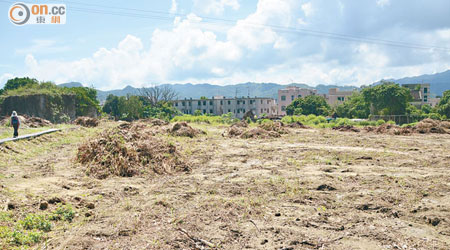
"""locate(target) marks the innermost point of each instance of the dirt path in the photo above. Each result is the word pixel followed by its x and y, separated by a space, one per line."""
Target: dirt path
pixel 320 189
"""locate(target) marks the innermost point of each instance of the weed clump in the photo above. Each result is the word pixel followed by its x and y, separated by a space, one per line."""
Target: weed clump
pixel 127 150
pixel 86 122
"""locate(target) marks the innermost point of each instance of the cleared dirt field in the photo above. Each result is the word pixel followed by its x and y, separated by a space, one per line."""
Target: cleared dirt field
pixel 308 189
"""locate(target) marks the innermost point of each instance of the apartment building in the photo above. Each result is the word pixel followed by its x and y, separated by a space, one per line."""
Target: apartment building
pixel 220 105
pixel 336 97
pixel 287 95
pixel 420 93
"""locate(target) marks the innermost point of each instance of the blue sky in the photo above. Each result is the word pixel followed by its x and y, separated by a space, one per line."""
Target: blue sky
pixel 230 41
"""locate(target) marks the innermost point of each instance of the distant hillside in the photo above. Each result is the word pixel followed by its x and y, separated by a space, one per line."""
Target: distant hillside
pixel 71 84
pixel 244 89
pixel 439 82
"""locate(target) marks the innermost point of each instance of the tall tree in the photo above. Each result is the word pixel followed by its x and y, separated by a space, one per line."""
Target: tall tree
pixel 157 94
pixel 313 104
pixel 354 107
pixel 444 104
pixel 388 98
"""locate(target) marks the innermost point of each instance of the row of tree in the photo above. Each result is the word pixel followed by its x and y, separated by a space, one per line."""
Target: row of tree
pixel 384 99
pixel 153 102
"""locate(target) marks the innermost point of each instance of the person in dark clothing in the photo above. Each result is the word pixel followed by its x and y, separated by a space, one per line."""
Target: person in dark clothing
pixel 15 123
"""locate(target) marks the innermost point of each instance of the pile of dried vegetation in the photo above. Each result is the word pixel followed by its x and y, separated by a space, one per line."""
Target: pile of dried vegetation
pixel 183 129
pixel 426 126
pixel 263 131
pixel 297 124
pixel 27 121
pixel 433 126
pixel 346 128
pixel 86 121
pixel 130 149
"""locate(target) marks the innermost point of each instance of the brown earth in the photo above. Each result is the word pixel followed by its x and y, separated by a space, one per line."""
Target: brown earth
pixel 309 189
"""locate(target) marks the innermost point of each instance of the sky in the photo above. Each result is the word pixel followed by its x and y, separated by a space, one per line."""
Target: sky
pixel 109 44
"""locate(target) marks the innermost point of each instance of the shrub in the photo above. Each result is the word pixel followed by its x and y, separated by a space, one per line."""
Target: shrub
pixel 64 213
pixel 380 122
pixel 33 221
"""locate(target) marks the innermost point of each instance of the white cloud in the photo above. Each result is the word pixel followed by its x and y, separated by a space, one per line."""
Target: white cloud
pixel 383 3
pixel 215 6
pixel 40 46
pixel 4 78
pixel 307 9
pixel 260 48
pixel 173 7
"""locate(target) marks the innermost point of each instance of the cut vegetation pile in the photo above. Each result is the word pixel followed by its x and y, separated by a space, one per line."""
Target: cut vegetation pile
pixel 86 122
pixel 297 125
pixel 27 122
pixel 346 128
pixel 130 149
pixel 183 129
pixel 426 126
pixel 433 126
pixel 155 122
pixel 263 131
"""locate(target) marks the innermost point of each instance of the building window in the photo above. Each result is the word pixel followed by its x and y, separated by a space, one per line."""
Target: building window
pixel 204 103
pixel 283 108
pixel 268 101
pixel 204 111
pixel 183 103
pixel 229 102
pixel 243 111
pixel 262 111
pixel 221 102
pixel 229 110
pixel 425 90
pixel 299 96
pixel 190 103
pixel 237 104
pixel 425 98
pixel 243 102
pixel 261 101
pixel 210 111
pixel 199 103
pixel 283 98
pixel 210 102
pixel 292 97
pixel 176 104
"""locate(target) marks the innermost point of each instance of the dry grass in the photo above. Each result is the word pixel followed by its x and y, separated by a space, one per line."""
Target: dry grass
pixel 309 189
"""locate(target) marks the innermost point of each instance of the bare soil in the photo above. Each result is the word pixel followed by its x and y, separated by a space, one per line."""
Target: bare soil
pixel 307 189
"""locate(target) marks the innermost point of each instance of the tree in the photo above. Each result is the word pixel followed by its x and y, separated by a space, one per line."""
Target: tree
pixel 443 107
pixel 19 82
pixel 112 106
pixel 354 107
pixel 387 99
pixel 313 104
pixel 157 94
pixel 86 100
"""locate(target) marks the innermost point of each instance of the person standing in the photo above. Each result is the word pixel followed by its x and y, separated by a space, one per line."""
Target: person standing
pixel 15 122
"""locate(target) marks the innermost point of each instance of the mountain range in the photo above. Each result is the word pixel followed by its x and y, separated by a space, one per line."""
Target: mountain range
pixel 438 84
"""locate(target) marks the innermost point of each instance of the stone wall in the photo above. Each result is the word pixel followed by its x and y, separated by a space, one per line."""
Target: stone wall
pixel 50 107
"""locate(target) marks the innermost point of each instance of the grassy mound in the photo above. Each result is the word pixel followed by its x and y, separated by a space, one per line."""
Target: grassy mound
pixel 127 150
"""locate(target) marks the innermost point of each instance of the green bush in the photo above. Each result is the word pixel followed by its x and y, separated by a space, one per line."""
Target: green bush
pixel 64 213
pixel 380 122
pixel 34 221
